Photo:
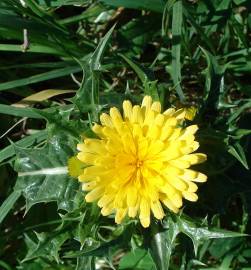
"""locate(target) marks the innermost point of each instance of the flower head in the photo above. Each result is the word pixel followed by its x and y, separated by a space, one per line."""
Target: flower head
pixel 140 162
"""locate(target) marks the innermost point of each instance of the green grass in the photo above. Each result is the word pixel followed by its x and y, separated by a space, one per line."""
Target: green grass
pixel 182 53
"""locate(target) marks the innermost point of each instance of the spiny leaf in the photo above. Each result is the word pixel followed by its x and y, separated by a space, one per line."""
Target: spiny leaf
pixel 201 232
pixel 47 245
pixel 87 97
pixel 42 173
pixel 136 260
pixel 237 151
pixel 9 151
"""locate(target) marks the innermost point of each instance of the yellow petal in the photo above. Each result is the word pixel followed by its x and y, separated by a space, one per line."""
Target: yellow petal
pixel 190 196
pixel 94 194
pixel 147 102
pixel 129 144
pixel 105 200
pixel 137 115
pixel 179 163
pixel 116 119
pixel 194 176
pixel 170 205
pixel 115 114
pixel 132 211
pixel 149 118
pixel 106 120
pixel 190 130
pixel 157 210
pixel 120 214
pixel 132 196
pixel 175 134
pixel 169 112
pixel 107 210
pixel 192 187
pixel 153 132
pixel 87 158
pixel 176 199
pixel 142 148
pixel 155 147
pixel 127 108
pixel 176 182
pixel 120 199
pixel 91 146
pixel 171 151
pixel 190 147
pixel 166 131
pixel 110 133
pixel 89 185
pixel 172 194
pixel 144 213
pixel 194 158
pixel 97 129
pixel 172 121
pixel 137 131
pixel 180 114
pixel 159 120
pixel 156 106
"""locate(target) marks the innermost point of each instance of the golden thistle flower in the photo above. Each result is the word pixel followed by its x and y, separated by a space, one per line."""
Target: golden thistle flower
pixel 140 162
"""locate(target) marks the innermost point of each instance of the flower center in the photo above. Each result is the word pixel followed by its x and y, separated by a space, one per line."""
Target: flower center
pixel 139 163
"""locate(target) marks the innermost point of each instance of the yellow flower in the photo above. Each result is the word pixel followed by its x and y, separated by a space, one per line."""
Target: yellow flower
pixel 140 162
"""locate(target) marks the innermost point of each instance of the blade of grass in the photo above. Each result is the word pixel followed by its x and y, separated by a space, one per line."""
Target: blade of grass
pixel 153 5
pixel 34 48
pixel 57 73
pixel 8 204
pixel 176 48
pixel 20 112
pixel 92 11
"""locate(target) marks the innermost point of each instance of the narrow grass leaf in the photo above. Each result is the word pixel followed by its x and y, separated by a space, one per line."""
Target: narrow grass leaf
pixel 176 48
pixel 8 204
pixel 20 112
pixel 57 73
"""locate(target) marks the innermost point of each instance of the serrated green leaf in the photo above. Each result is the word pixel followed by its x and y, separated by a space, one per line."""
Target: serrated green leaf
pixel 9 151
pixel 237 151
pixel 137 259
pixel 46 245
pixel 87 97
pixel 201 232
pixel 87 263
pixel 59 121
pixel 161 243
pixel 43 174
